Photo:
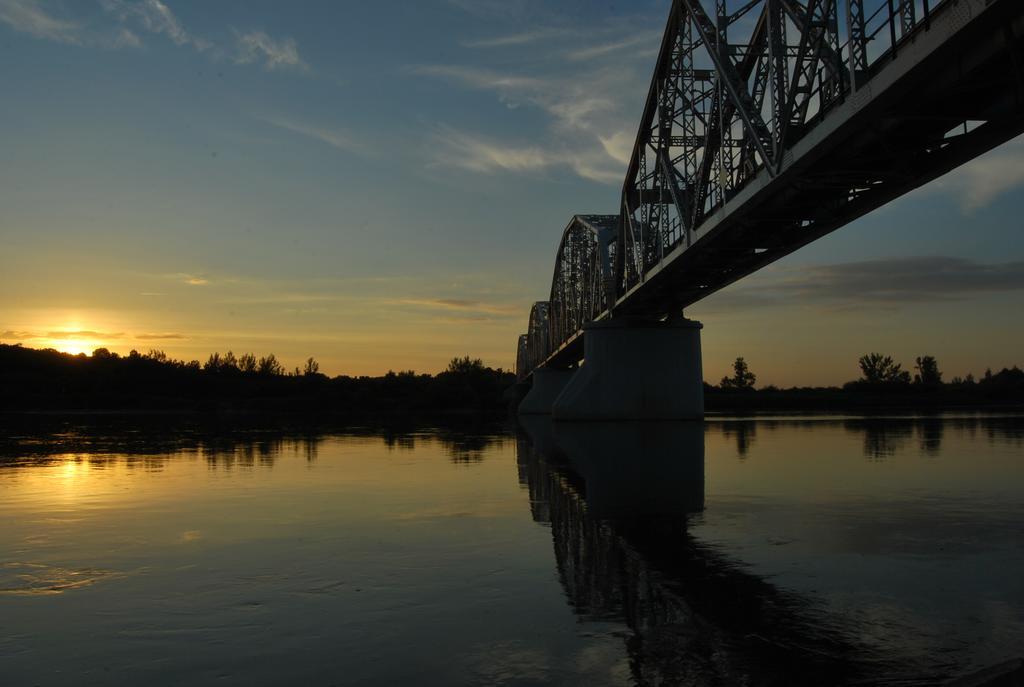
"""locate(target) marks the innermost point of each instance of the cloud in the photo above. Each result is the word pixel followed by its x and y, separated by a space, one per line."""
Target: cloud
pixel 257 46
pixel 28 17
pixel 477 154
pixel 130 17
pixel 619 145
pixel 516 39
pixel 982 180
pixel 190 279
pixel 467 309
pixel 589 53
pixel 155 17
pixel 590 106
pixel 83 334
pixel 870 283
pixel 18 335
pixel 333 137
pixel 156 337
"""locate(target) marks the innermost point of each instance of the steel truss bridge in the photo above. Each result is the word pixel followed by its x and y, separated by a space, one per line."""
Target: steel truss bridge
pixel 768 124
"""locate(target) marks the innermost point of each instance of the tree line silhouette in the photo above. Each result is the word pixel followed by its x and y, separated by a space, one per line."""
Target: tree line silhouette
pixel 883 381
pixel 32 379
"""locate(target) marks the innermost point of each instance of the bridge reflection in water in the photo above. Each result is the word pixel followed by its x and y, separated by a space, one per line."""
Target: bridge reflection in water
pixel 624 553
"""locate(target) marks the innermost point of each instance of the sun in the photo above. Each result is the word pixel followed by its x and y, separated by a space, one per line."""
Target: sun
pixel 73 338
pixel 73 346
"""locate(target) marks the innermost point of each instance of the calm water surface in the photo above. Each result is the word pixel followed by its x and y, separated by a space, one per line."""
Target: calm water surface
pixel 811 551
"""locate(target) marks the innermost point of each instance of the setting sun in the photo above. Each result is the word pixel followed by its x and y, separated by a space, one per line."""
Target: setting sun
pixel 73 338
pixel 72 346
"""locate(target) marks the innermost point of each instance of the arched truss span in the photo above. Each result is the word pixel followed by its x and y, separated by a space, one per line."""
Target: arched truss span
pixel 535 345
pixel 582 287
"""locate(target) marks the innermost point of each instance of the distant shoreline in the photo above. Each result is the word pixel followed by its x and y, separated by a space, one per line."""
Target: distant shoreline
pixel 50 383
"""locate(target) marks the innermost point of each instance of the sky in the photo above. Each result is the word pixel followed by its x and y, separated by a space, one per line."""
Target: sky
pixel 382 186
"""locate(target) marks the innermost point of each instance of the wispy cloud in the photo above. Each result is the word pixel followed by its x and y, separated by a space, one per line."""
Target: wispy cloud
pixel 257 46
pixel 645 38
pixel 185 278
pixel 588 94
pixel 336 138
pixel 154 17
pixel 871 283
pixel 474 153
pixel 126 20
pixel 464 305
pixel 484 79
pixel 160 336
pixel 984 179
pixel 28 17
pixel 516 39
pixel 582 118
pixel 457 310
pixel 18 335
pixel 479 155
pixel 90 334
pixel 61 335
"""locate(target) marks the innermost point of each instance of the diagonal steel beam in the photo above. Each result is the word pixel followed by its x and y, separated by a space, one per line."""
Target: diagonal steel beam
pixel 670 179
pixel 833 61
pixel 713 138
pixel 734 84
pixel 812 38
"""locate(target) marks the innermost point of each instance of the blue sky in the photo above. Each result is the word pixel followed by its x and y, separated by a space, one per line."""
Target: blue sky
pixel 383 185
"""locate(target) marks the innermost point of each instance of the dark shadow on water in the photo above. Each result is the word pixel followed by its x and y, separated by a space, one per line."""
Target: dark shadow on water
pixel 618 498
pixel 745 433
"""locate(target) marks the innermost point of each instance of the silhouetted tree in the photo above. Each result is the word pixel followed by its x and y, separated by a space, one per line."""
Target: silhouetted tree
pixel 466 365
pixel 269 365
pixel 213 362
pixel 247 363
pixel 742 377
pixel 879 369
pixel 927 371
pixel 312 367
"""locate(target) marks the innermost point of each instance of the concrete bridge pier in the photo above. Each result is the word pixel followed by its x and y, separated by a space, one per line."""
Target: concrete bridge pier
pixel 548 383
pixel 636 371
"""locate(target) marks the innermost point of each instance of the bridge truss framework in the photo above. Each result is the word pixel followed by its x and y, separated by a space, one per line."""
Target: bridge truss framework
pixel 768 124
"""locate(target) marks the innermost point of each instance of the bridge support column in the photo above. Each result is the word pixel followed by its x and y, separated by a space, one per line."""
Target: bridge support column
pixel 636 371
pixel 548 383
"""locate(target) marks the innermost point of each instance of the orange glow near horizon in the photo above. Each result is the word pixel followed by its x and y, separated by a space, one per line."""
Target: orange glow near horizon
pixel 72 346
pixel 70 338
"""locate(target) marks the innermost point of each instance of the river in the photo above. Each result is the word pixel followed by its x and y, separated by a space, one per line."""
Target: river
pixel 768 551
